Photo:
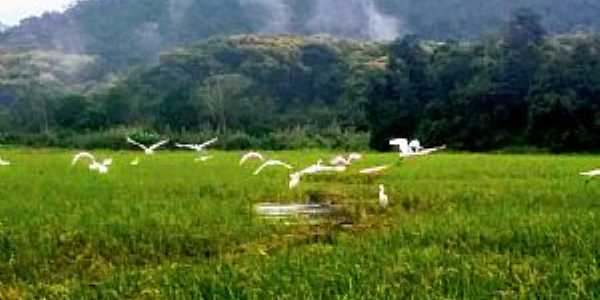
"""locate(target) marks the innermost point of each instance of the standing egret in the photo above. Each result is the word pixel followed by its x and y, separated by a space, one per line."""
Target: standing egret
pixel 383 198
pixel 101 167
pixel 198 147
pixel 251 155
pixel 147 150
pixel 135 162
pixel 272 163
pixel 294 180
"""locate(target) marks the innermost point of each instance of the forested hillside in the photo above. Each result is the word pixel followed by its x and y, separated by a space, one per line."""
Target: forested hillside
pixel 80 74
pixel 126 32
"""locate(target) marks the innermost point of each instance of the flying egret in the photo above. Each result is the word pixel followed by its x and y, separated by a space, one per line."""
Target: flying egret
pixel 251 155
pixel 272 163
pixel 101 167
pixel 147 150
pixel 340 161
pixel 383 198
pixel 592 173
pixel 314 169
pixel 415 146
pixel 4 162
pixel 198 147
pixel 374 170
pixel 406 148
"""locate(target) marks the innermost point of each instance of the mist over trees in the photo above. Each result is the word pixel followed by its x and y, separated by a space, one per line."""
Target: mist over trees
pixel 502 79
pixel 128 32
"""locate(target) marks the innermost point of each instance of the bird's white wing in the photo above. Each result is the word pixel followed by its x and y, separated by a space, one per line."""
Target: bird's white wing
pixel 374 169
pixel 272 163
pixel 592 173
pixel 250 155
pixel 266 164
pixel 187 146
pixel 285 165
pixel 157 145
pixel 244 159
pixel 107 162
pixel 83 155
pixel 131 141
pixel 208 143
pixel 333 169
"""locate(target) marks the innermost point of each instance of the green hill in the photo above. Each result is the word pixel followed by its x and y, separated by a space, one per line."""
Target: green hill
pixel 126 32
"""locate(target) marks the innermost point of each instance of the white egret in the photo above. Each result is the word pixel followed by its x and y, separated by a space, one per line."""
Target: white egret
pixel 294 180
pixel 345 160
pixel 383 198
pixel 592 173
pixel 135 162
pixel 272 163
pixel 415 146
pixel 148 150
pixel 408 149
pixel 251 155
pixel 101 167
pixel 340 161
pixel 314 169
pixel 374 170
pixel 198 147
pixel 4 162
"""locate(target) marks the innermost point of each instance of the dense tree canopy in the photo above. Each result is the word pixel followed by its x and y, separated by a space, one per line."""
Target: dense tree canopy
pixel 522 87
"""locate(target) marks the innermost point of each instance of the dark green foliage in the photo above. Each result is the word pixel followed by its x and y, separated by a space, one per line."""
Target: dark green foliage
pixel 521 89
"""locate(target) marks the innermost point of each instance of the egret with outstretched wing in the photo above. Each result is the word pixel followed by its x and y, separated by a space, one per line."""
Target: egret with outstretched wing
pixel 101 167
pixel 272 163
pixel 251 155
pixel 148 150
pixel 198 147
pixel 340 161
pixel 374 170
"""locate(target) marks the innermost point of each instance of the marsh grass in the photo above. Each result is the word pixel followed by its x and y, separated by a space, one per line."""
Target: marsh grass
pixel 459 226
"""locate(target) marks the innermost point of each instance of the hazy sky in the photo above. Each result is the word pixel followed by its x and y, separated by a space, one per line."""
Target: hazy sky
pixel 11 11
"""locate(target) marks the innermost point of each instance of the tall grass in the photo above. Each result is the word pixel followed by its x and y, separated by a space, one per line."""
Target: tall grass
pixel 459 226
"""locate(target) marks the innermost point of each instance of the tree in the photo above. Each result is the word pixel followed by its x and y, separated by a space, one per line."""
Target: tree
pixel 219 94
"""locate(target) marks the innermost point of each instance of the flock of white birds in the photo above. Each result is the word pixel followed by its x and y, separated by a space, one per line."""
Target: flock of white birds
pixel 337 164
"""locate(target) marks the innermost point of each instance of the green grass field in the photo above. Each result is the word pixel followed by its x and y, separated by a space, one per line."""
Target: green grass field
pixel 459 226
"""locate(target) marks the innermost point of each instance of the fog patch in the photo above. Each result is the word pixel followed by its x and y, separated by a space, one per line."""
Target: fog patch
pixel 351 18
pixel 278 15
